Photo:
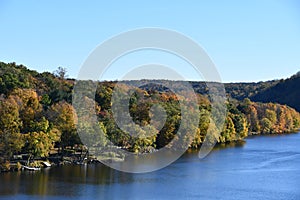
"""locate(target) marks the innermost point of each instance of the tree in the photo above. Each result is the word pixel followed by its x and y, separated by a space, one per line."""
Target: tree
pixel 196 143
pixel 29 107
pixel 253 120
pixel 92 132
pixel 241 126
pixel 229 133
pixel 266 125
pixel 11 141
pixel 61 73
pixel 204 122
pixel 141 139
pixel 271 115
pixel 45 101
pixel 39 144
pixel 62 116
pixel 168 132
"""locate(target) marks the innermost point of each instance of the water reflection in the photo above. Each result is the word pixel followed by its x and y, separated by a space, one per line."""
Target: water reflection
pixel 237 144
pixel 49 181
pixel 262 168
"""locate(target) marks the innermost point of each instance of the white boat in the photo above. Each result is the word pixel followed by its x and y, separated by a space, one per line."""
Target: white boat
pixel 46 164
pixel 31 168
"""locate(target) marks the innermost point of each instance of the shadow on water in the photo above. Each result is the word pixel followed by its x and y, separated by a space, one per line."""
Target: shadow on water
pixel 218 147
pixel 70 177
pixel 236 144
pixel 47 181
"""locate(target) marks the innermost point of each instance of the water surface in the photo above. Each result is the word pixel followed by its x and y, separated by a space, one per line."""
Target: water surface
pixel 265 167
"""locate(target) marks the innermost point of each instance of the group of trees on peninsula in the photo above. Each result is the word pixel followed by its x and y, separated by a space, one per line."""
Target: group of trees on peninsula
pixel 36 115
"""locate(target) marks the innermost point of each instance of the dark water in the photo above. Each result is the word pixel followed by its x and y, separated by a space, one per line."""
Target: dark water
pixel 266 167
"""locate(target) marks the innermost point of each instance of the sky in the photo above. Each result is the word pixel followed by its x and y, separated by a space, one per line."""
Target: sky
pixel 247 40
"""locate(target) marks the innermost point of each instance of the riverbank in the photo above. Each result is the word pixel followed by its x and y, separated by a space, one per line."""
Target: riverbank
pixel 263 168
pixel 22 162
pixel 72 157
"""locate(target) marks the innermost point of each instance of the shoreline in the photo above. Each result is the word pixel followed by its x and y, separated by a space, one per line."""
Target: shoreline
pixel 38 164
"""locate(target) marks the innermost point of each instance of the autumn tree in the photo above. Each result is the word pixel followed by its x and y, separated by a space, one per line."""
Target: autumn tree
pixel 11 140
pixel 40 143
pixel 62 116
pixel 229 132
pixel 29 107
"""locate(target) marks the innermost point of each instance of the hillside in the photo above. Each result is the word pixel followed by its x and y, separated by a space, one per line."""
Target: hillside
pixel 48 85
pixel 284 92
pixel 36 113
pixel 14 76
pixel 241 91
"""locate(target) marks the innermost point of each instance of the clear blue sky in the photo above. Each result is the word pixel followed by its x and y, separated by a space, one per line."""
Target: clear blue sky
pixel 247 40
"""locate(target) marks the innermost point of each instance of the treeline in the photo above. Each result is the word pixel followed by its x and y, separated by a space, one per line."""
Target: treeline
pixel 243 118
pixel 241 91
pixel 284 92
pixel 269 118
pixel 29 126
pixel 36 115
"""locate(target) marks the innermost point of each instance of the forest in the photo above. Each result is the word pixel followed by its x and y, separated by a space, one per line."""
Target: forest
pixel 37 115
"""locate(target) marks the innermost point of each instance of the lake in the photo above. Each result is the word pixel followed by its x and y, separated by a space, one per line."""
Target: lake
pixel 265 167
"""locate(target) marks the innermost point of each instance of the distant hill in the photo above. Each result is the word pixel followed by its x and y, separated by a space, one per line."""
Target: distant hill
pixel 241 91
pixel 284 92
pixel 278 91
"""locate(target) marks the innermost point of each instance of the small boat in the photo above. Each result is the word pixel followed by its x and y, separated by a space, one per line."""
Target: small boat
pixel 46 164
pixel 31 168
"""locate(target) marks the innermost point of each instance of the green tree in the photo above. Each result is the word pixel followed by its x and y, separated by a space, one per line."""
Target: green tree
pixel 271 115
pixel 40 144
pixel 92 132
pixel 168 132
pixel 143 139
pixel 229 132
pixel 62 116
pixel 61 73
pixel 266 125
pixel 241 126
